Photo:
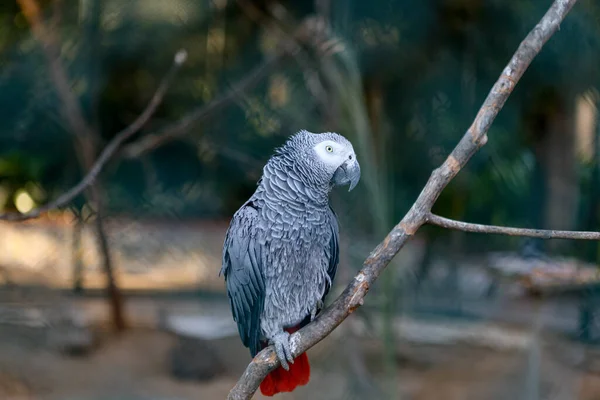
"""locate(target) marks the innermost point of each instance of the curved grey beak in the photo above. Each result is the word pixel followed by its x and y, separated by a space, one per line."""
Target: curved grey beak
pixel 347 173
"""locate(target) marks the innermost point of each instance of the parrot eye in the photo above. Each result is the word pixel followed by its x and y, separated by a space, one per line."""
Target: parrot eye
pixel 329 149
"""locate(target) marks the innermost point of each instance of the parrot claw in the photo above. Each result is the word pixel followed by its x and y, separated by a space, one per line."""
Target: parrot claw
pixel 316 309
pixel 282 348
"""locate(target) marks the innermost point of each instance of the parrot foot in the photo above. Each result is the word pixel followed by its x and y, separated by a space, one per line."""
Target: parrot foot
pixel 282 348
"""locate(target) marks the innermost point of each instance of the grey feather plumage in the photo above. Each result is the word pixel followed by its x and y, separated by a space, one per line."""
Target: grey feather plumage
pixel 281 250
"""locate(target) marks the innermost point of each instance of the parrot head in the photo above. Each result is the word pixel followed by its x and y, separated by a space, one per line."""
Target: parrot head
pixel 338 158
pixel 328 158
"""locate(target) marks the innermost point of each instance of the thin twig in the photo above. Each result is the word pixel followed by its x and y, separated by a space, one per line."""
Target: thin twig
pixel 109 151
pixel 474 138
pixel 180 128
pixel 285 49
pixel 504 230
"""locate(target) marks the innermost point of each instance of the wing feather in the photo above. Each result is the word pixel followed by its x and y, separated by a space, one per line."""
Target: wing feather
pixel 334 249
pixel 243 275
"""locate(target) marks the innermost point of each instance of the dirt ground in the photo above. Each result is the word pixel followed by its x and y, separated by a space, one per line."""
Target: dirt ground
pixel 134 366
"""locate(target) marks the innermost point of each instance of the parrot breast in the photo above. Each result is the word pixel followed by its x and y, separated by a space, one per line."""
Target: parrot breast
pixel 296 235
pixel 296 276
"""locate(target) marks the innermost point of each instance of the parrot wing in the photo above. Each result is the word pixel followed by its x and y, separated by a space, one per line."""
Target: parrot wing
pixel 334 249
pixel 242 267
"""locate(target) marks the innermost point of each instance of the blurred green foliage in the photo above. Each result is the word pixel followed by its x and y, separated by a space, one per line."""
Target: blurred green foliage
pixel 421 70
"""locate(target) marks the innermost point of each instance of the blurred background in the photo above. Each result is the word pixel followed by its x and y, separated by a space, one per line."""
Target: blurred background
pixel 117 296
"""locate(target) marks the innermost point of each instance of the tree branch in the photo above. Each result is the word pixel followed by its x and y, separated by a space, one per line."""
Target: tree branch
pixel 475 137
pixel 109 151
pixel 503 230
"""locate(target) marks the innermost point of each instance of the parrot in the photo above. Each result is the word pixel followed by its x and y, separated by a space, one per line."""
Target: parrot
pixel 281 249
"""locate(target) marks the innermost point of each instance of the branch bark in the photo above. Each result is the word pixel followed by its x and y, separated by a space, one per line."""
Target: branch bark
pixel 475 137
pixel 503 230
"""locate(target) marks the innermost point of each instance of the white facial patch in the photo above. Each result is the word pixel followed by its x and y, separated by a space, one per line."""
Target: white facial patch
pixel 331 153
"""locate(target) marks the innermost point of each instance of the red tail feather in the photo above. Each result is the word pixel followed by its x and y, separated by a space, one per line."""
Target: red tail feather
pixel 280 380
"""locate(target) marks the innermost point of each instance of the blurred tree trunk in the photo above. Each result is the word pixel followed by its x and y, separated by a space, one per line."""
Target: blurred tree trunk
pixel 591 219
pixel 555 143
pixel 88 142
pixel 589 298
pixel 94 197
pixel 76 255
pixel 555 149
pixel 114 293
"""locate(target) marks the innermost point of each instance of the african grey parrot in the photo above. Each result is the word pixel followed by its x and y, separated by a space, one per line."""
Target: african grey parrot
pixel 281 250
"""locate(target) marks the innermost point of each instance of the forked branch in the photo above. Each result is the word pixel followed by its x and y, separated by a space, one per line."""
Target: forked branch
pixel 474 138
